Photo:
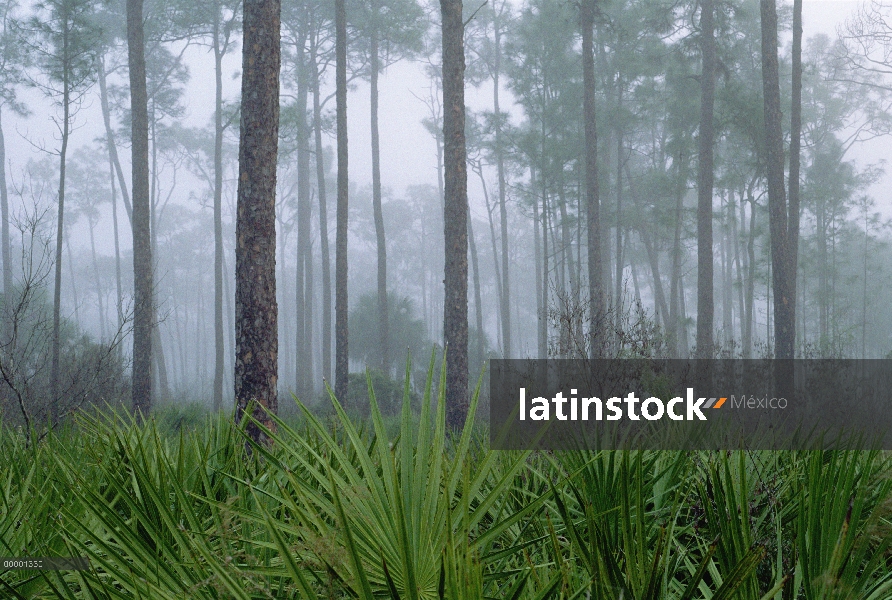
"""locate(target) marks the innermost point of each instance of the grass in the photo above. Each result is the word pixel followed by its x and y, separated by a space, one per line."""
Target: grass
pixel 336 509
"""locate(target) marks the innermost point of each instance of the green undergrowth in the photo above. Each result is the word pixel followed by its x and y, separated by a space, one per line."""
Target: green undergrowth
pixel 403 508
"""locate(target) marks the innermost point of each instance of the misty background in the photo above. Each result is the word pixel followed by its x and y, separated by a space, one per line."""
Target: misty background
pixel 845 266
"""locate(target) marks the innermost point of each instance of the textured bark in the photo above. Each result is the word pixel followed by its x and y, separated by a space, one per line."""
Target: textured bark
pixel 143 288
pixel 705 178
pixel 218 214
pixel 383 325
pixel 595 271
pixel 455 301
pixel 341 334
pixel 256 312
pixel 784 303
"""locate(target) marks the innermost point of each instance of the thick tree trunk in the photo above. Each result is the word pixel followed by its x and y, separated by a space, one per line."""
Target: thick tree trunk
pixel 705 176
pixel 455 303
pixel 143 287
pixel 341 337
pixel 784 303
pixel 218 215
pixel 383 325
pixel 256 313
pixel 595 271
pixel 323 213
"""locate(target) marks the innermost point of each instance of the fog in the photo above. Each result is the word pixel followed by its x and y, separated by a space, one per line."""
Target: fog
pixel 413 218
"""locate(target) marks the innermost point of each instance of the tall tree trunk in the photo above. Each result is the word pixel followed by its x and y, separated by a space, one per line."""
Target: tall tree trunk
pixel 4 226
pixel 110 138
pixel 159 362
pixel 750 294
pixel 795 142
pixel 505 296
pixel 495 253
pixel 118 287
pixel 705 176
pixel 736 232
pixel 256 340
pixel 323 211
pixel 784 303
pixel 99 299
pixel 309 323
pixel 595 271
pixel 285 359
pixel 727 296
pixel 303 290
pixel 383 326
pixel 683 319
pixel 541 342
pixel 73 277
pixel 543 321
pixel 823 279
pixel 674 323
pixel 143 287
pixel 618 307
pixel 567 241
pixel 478 303
pixel 228 298
pixel 218 214
pixel 455 302
pixel 654 259
pixel 341 334
pixel 60 233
